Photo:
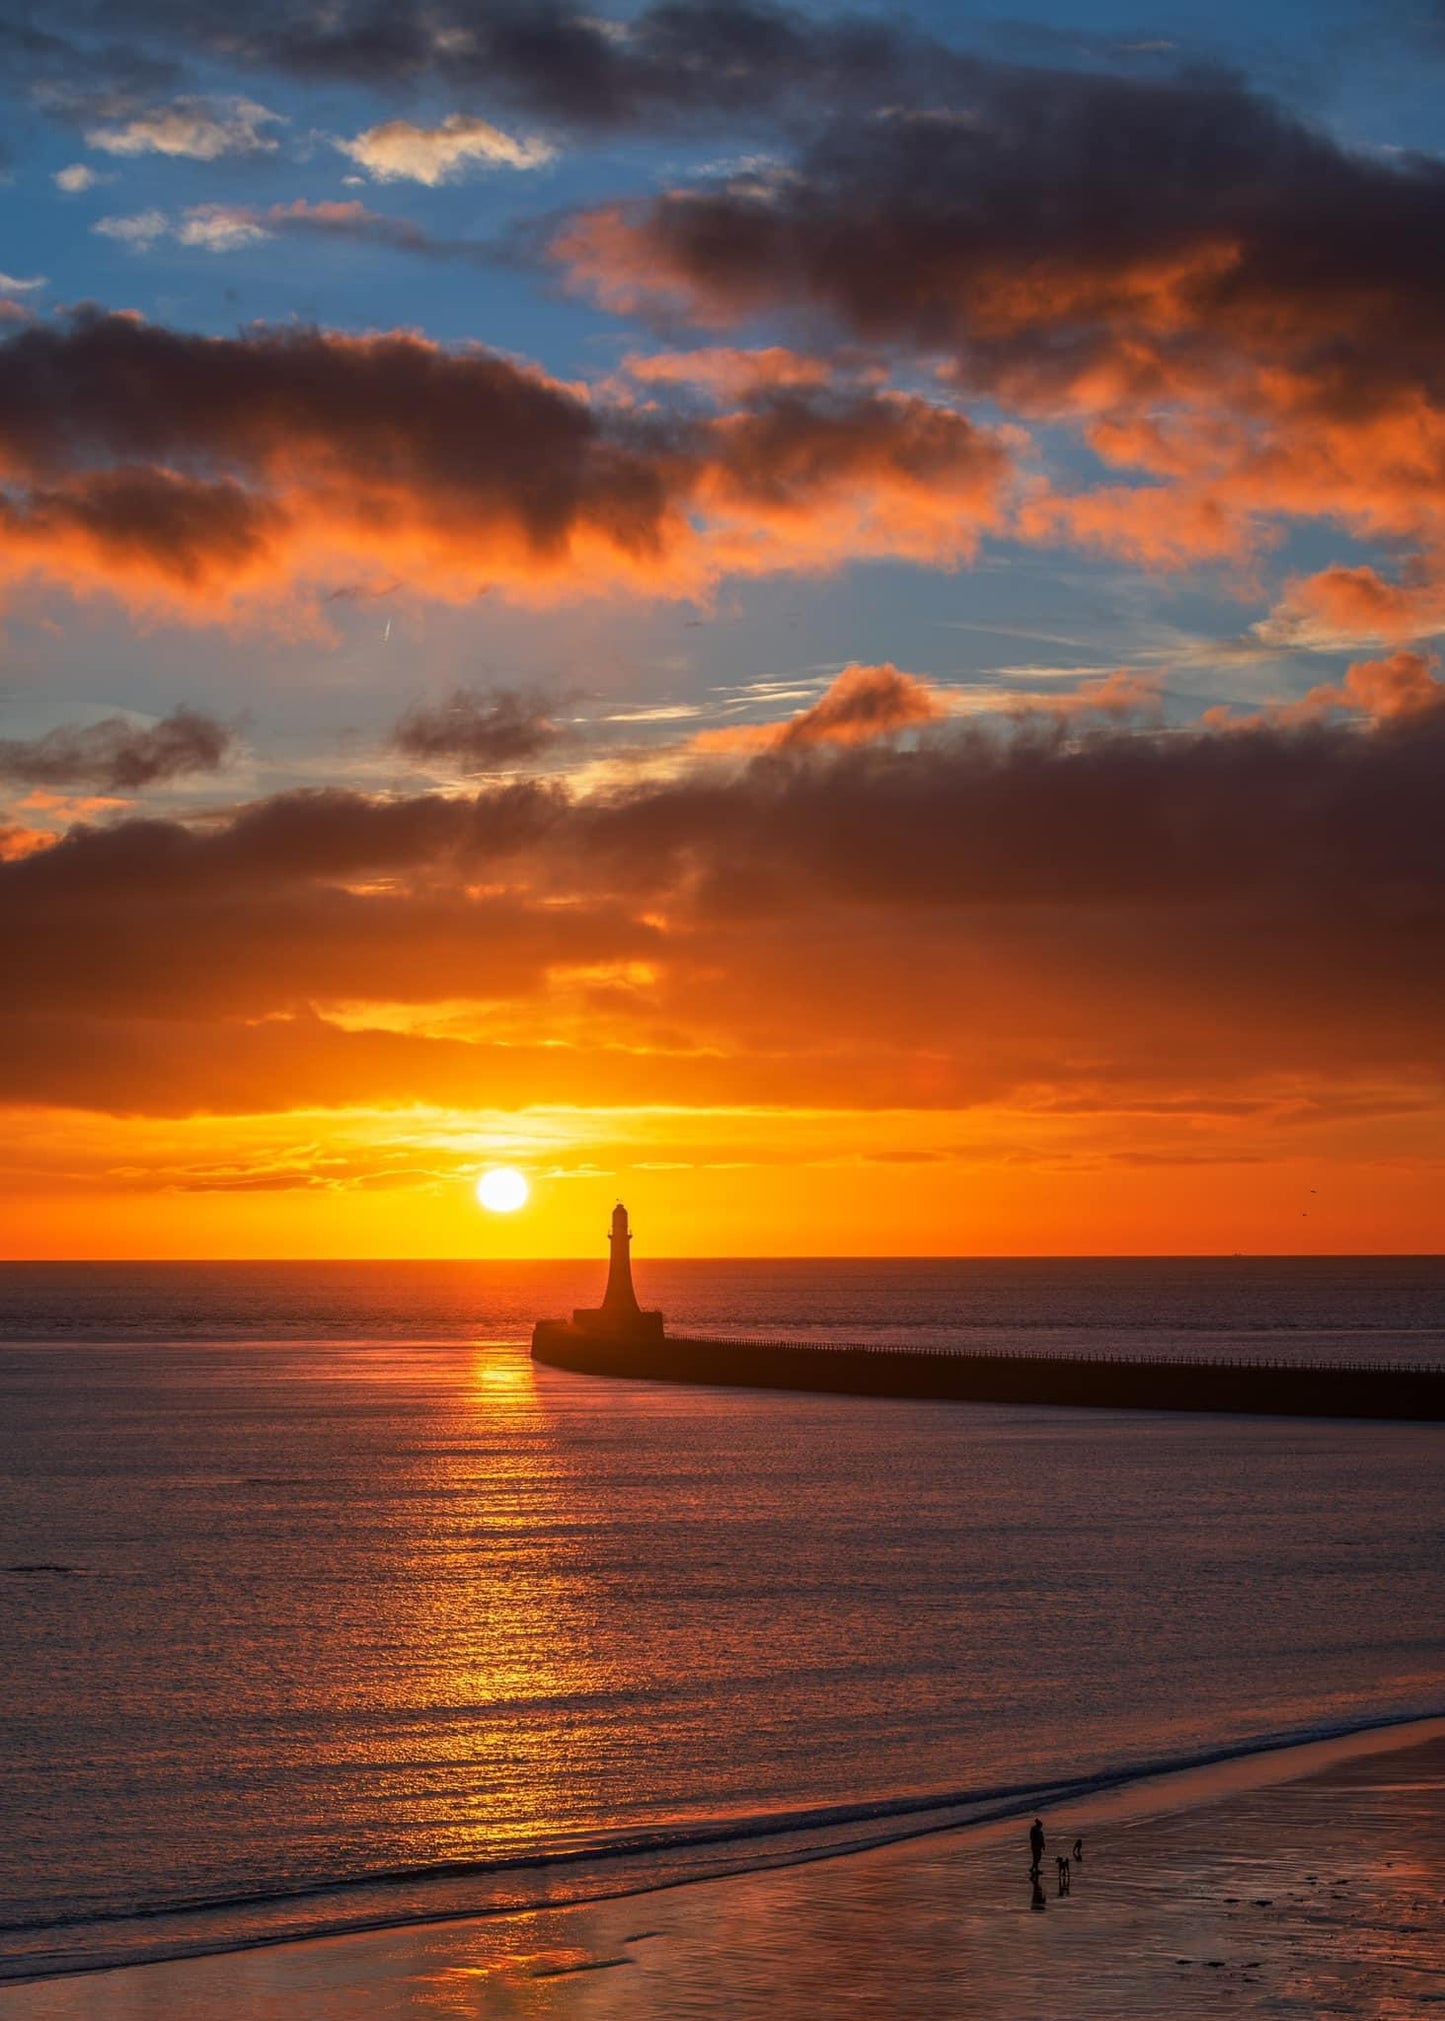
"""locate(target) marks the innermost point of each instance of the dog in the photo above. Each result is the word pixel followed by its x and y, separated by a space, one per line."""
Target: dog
pixel 1061 1862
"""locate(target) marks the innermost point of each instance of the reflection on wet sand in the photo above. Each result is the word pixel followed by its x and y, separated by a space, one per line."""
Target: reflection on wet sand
pixel 1315 1896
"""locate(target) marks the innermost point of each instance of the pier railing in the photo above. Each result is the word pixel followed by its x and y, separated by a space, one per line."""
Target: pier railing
pixel 1110 1356
pixel 1270 1385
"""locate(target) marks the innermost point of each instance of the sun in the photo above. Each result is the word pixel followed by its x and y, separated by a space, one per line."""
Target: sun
pixel 502 1190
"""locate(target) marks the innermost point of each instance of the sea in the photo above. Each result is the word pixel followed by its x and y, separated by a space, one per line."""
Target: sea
pixel 323 1608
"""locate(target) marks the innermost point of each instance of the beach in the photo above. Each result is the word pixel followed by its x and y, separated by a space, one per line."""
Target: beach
pixel 1302 1882
pixel 357 1677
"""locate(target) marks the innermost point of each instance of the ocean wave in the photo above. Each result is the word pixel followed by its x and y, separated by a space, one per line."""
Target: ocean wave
pixel 590 1868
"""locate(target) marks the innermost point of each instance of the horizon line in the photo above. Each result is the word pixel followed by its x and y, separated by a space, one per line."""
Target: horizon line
pixel 819 1256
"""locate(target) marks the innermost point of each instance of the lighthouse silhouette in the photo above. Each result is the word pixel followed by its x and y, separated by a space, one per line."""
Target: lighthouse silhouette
pixel 619 1312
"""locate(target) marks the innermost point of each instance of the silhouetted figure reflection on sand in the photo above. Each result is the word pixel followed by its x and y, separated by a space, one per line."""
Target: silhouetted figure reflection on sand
pixel 1036 1847
pixel 1038 1900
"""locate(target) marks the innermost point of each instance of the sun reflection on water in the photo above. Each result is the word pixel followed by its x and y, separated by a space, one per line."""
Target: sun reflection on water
pixel 503 1626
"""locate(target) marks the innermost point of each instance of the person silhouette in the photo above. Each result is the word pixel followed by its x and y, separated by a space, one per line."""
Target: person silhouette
pixel 1036 1846
pixel 1078 1852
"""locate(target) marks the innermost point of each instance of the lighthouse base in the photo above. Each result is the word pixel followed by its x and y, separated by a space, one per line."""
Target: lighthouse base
pixel 600 1322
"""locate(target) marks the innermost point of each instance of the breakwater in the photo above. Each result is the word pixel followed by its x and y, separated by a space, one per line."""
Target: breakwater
pixel 1104 1382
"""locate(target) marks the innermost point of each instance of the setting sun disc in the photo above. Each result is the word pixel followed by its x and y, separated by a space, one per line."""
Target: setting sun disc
pixel 502 1190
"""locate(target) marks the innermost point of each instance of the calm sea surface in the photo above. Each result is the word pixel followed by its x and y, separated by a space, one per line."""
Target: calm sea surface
pixel 321 1606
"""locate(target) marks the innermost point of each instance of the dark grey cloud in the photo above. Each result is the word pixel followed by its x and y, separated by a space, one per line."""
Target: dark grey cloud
pixel 100 387
pixel 474 731
pixel 1038 224
pixel 69 70
pixel 1036 815
pixel 960 918
pixel 672 62
pixel 116 755
pixel 1322 821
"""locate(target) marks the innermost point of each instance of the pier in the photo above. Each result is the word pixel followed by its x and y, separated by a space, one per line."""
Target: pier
pixel 619 1340
pixel 1269 1388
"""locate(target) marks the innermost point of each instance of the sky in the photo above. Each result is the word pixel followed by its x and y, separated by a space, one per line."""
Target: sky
pixel 824 621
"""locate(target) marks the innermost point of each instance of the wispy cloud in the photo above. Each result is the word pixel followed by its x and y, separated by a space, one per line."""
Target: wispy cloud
pixel 196 128
pixel 229 228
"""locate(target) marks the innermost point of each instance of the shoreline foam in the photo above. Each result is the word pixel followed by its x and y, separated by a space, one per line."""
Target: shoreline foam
pixel 1306 1867
pixel 976 1817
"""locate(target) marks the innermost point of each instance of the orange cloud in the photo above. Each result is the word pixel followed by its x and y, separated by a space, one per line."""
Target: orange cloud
pixel 985 914
pixel 203 473
pixel 16 841
pixel 1219 297
pixel 729 373
pixel 1405 684
pixel 862 704
pixel 802 483
pixel 1125 692
pixel 1387 691
pixel 1341 605
pixel 1020 954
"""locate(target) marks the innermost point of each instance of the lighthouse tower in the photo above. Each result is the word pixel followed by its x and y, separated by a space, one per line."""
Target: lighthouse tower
pixel 619 1297
pixel 619 1311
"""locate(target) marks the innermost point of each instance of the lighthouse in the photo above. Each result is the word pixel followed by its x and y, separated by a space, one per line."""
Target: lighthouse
pixel 619 1312
pixel 619 1297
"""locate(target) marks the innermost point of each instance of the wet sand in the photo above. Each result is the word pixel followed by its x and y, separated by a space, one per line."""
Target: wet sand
pixel 1307 1882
